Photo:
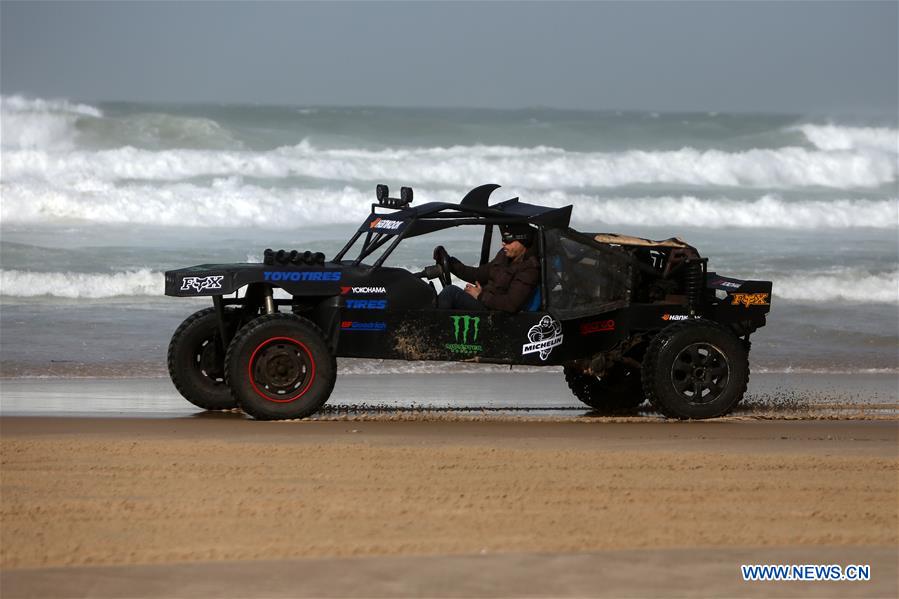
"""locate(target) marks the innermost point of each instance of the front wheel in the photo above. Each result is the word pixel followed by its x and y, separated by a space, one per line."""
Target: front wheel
pixel 695 369
pixel 279 367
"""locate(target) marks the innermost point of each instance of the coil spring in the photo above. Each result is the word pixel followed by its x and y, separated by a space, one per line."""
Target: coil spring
pixel 693 281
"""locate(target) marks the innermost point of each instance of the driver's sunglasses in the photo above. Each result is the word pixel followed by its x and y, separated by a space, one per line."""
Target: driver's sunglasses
pixel 507 240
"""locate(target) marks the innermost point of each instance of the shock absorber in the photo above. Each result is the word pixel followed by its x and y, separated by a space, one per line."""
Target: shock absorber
pixel 694 281
pixel 268 300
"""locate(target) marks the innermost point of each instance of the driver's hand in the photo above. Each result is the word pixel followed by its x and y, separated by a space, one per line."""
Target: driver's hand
pixel 473 290
pixel 438 251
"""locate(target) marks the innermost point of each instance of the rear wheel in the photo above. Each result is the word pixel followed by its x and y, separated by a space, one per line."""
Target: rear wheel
pixel 618 392
pixel 695 369
pixel 280 367
pixel 196 361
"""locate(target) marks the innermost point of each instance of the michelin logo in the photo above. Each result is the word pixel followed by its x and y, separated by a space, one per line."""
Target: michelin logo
pixel 543 337
pixel 200 284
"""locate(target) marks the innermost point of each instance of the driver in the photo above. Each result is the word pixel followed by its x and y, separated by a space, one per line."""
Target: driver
pixel 505 283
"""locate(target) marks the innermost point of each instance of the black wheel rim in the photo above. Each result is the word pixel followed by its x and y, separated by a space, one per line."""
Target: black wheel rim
pixel 281 369
pixel 209 362
pixel 700 373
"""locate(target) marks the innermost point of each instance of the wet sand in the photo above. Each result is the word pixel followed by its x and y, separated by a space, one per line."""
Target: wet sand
pixel 588 507
pixel 496 393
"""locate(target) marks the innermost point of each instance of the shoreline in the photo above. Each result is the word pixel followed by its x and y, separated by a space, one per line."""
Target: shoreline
pixel 484 395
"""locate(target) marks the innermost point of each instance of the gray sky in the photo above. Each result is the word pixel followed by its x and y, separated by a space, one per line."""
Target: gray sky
pixel 748 56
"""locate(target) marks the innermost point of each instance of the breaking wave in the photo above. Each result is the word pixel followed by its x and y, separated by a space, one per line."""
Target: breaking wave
pixel 231 202
pixel 21 105
pixel 835 138
pixel 840 286
pixel 144 282
pixel 60 126
pixel 72 143
pixel 535 168
pixel 769 212
pixel 44 124
pixel 156 131
pixel 844 286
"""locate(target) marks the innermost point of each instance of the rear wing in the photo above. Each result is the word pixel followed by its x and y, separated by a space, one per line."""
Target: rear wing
pixel 752 296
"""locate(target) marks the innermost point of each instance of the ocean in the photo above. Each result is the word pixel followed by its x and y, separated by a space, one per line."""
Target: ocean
pixel 97 200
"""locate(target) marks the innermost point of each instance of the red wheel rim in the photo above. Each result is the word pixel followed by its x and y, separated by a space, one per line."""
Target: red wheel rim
pixel 284 369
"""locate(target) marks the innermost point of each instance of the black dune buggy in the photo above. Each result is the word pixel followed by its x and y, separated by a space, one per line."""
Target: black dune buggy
pixel 628 318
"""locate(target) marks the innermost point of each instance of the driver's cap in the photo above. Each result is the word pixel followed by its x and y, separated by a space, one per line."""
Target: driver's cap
pixel 517 232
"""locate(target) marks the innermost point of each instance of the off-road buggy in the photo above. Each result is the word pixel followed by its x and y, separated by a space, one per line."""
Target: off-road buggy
pixel 629 319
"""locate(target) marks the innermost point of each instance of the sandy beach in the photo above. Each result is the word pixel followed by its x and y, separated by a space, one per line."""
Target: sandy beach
pixel 155 506
pixel 172 175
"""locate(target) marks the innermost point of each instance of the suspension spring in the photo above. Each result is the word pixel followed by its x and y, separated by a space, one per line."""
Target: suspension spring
pixel 694 280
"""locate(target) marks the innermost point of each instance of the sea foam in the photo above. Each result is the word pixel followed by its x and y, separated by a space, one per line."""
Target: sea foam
pixel 845 285
pixel 20 104
pixel 835 138
pixel 61 126
pixel 230 202
pixel 71 143
pixel 535 168
pixel 44 124
pixel 143 282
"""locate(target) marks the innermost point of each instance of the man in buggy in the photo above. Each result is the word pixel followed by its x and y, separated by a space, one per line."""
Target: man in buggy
pixel 504 284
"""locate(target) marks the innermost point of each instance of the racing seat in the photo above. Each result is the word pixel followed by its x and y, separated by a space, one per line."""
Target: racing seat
pixel 533 304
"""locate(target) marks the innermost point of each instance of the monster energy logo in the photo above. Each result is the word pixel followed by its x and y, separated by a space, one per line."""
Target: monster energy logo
pixel 465 328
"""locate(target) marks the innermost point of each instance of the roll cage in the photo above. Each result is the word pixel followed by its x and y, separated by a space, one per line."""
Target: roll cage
pixel 398 222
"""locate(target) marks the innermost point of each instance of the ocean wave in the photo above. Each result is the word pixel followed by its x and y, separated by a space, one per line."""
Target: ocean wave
pixel 542 168
pixel 846 286
pixel 143 282
pixel 21 104
pixel 230 202
pixel 836 138
pixel 44 124
pixel 61 126
pixel 155 131
pixel 768 211
pixel 225 203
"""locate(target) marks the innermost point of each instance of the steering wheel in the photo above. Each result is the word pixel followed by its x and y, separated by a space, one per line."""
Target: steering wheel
pixel 441 257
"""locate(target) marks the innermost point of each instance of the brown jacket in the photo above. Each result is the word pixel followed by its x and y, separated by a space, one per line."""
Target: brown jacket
pixel 507 285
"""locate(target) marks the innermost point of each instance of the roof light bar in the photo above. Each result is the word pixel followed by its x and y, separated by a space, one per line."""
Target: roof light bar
pixel 382 192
